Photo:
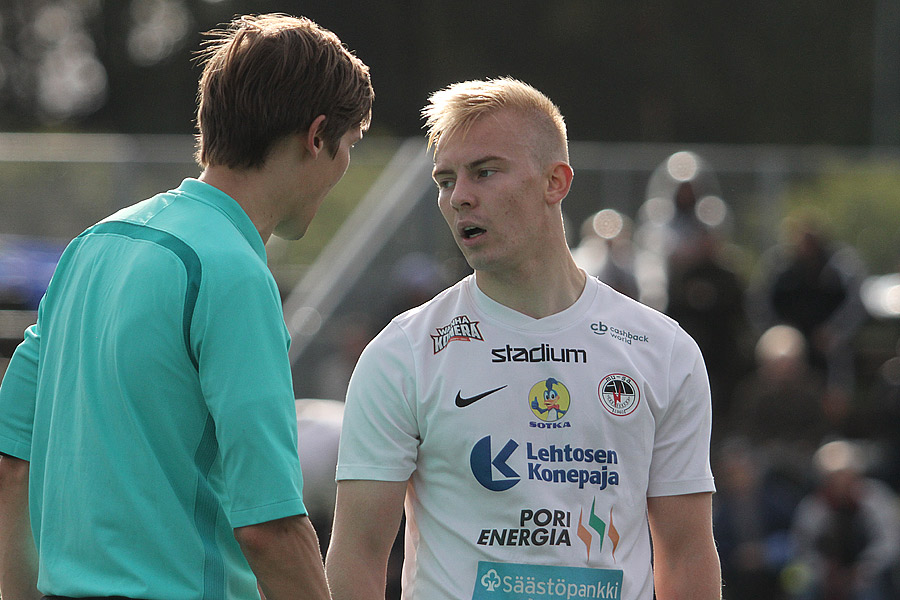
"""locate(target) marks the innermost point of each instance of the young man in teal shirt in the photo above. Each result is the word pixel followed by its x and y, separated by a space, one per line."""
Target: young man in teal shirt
pixel 148 416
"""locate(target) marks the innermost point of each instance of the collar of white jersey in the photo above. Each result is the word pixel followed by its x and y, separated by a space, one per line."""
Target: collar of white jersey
pixel 508 317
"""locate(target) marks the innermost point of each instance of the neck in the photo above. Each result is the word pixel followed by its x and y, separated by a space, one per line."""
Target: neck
pixel 539 293
pixel 247 188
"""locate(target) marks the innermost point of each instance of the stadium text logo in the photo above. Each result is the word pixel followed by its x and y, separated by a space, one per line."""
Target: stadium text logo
pixel 460 328
pixel 601 328
pixel 539 354
pixel 555 465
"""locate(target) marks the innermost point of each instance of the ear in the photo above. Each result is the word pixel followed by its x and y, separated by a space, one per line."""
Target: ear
pixel 314 142
pixel 559 180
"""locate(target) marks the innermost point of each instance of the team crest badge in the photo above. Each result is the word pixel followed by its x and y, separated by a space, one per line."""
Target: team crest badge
pixel 619 393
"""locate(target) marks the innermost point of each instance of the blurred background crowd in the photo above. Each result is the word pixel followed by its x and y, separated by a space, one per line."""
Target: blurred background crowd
pixel 806 443
pixel 774 239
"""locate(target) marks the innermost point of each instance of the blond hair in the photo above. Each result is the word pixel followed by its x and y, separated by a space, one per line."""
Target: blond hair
pixel 456 107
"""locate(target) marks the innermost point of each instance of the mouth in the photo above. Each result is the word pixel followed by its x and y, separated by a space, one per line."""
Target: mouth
pixel 470 232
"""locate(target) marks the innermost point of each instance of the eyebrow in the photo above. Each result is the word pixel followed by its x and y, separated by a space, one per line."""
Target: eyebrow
pixel 472 166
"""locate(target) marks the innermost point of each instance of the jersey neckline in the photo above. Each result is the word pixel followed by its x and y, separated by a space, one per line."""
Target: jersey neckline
pixel 516 320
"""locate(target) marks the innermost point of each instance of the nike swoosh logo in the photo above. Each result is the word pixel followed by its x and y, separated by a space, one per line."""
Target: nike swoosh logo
pixel 464 402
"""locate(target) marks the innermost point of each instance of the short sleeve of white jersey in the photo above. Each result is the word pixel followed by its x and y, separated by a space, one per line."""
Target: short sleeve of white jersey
pixel 380 437
pixel 680 463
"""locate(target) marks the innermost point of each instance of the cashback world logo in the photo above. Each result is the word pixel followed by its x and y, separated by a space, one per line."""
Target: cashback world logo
pixel 623 335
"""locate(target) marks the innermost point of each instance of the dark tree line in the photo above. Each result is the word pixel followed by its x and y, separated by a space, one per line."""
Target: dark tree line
pixel 763 71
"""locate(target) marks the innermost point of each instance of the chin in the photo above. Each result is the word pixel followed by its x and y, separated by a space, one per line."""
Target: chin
pixel 290 233
pixel 474 259
pixel 289 236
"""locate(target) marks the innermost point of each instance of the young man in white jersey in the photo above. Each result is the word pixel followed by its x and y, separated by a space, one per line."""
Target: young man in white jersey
pixel 535 423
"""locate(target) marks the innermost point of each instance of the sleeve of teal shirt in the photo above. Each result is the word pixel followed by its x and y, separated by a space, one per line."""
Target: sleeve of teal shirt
pixel 18 394
pixel 246 380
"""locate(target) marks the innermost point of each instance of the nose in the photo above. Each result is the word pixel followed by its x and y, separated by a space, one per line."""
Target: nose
pixel 462 195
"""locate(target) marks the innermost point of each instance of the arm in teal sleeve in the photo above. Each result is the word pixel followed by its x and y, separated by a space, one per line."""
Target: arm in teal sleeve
pixel 18 394
pixel 18 556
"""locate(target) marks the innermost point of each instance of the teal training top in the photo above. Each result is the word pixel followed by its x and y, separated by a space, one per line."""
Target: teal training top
pixel 153 398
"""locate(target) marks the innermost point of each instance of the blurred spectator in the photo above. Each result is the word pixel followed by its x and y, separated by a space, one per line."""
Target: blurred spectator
pixel 847 531
pixel 778 407
pixel 666 224
pixel 682 201
pixel 812 282
pixel 883 421
pixel 880 415
pixel 605 250
pixel 681 269
pixel 685 223
pixel 706 296
pixel 751 521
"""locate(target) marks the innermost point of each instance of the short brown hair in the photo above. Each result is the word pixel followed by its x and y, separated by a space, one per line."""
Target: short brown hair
pixel 456 107
pixel 269 76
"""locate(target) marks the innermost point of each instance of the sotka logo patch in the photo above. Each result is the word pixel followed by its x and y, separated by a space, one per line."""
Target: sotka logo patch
pixel 619 394
pixel 461 328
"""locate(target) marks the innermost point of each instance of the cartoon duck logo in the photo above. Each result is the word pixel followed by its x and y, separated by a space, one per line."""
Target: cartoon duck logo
pixel 549 400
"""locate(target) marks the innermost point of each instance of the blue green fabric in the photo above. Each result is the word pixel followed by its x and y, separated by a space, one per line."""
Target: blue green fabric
pixel 153 398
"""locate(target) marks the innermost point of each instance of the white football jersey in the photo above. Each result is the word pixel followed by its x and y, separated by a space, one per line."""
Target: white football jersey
pixel 530 445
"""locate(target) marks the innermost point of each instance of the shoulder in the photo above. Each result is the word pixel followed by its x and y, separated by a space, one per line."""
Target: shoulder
pixel 629 314
pixel 425 325
pixel 214 253
pixel 653 339
pixel 448 308
pixel 442 301
pixel 170 215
